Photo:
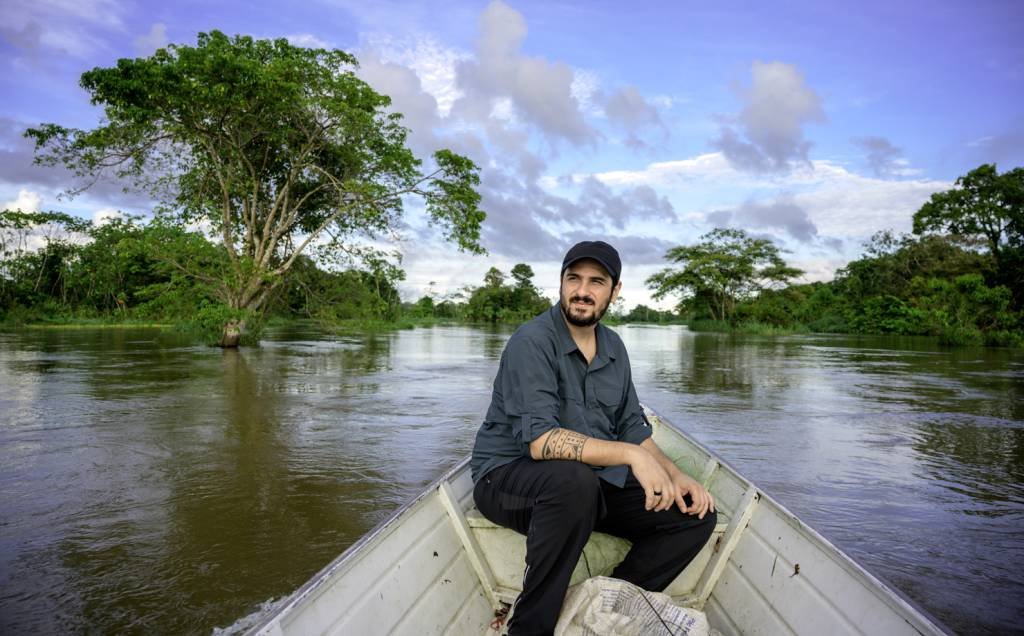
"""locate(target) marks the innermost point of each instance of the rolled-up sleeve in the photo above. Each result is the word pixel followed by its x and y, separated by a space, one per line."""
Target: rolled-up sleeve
pixel 632 426
pixel 529 389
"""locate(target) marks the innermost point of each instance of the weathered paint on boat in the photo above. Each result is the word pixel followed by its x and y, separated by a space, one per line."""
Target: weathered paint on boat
pixel 438 567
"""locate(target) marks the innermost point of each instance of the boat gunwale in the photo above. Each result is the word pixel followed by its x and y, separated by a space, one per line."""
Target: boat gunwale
pixel 893 597
pixel 350 553
pixel 844 560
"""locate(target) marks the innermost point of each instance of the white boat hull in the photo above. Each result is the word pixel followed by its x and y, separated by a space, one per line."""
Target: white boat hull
pixel 437 567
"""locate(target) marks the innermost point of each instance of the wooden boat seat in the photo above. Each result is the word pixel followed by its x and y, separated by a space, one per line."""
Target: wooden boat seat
pixel 505 553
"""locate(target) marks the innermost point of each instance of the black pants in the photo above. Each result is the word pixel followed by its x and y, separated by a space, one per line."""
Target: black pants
pixel 557 504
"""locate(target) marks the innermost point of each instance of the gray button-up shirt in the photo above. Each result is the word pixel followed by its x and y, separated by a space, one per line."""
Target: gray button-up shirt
pixel 544 382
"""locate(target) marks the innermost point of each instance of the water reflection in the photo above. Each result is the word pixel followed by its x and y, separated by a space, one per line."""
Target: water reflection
pixel 984 463
pixel 907 456
pixel 153 486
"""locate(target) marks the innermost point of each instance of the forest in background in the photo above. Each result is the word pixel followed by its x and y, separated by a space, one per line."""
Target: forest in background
pixel 80 272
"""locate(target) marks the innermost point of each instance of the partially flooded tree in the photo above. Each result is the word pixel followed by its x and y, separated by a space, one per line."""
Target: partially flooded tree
pixel 274 148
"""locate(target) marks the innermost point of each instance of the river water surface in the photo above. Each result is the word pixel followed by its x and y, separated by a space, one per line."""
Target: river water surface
pixel 152 486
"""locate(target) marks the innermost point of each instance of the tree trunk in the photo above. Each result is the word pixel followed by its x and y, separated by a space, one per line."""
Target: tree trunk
pixel 232 334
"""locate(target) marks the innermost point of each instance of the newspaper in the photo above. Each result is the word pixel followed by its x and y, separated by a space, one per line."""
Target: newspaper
pixel 603 606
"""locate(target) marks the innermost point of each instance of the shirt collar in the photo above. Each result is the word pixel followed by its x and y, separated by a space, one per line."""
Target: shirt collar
pixel 567 345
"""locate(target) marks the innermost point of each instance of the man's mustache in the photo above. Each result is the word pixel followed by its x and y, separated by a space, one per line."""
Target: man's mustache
pixel 582 299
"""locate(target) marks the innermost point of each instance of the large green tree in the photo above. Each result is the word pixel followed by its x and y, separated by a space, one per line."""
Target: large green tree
pixel 278 149
pixel 726 266
pixel 987 205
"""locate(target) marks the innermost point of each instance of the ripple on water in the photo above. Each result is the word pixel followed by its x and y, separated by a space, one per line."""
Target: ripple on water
pixel 151 485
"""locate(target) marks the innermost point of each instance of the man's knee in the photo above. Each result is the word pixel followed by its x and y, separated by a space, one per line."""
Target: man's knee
pixel 710 521
pixel 697 531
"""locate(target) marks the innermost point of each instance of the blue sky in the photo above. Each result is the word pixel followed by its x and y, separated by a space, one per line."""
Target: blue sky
pixel 645 124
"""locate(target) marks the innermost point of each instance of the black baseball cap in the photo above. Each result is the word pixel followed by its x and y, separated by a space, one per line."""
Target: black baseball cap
pixel 599 251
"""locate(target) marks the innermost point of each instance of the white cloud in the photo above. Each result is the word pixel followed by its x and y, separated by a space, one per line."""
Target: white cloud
pixel 712 165
pixel 27 201
pixel 809 209
pixel 149 43
pixel 433 63
pixel 307 41
pixel 418 108
pixel 817 269
pixel 540 90
pixel 776 106
pixel 853 206
pixel 105 215
pixel 75 27
pixel 585 89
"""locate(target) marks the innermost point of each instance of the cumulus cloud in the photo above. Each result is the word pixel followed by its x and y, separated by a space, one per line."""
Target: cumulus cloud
pixel 433 64
pixel 149 43
pixel 712 165
pixel 18 171
pixel 628 109
pixel 882 156
pixel 307 41
pixel 768 134
pixel 528 222
pixel 74 28
pixel 541 91
pixel 26 201
pixel 598 203
pixel 403 86
pixel 105 215
pixel 823 201
pixel 783 214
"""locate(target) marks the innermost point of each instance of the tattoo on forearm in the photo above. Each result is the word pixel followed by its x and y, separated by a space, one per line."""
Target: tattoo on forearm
pixel 564 444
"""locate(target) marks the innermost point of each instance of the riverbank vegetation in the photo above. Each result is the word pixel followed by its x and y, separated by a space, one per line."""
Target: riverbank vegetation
pixel 959 277
pixel 58 269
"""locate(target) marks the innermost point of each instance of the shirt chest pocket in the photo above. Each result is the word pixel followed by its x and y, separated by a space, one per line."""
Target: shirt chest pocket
pixel 607 398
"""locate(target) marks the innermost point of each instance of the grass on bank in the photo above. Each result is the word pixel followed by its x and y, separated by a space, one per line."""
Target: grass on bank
pixel 206 328
pixel 950 336
pixel 752 327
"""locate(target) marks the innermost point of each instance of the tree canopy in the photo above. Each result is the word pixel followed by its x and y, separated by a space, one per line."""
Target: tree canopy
pixel 987 205
pixel 983 203
pixel 278 149
pixel 725 267
pixel 496 301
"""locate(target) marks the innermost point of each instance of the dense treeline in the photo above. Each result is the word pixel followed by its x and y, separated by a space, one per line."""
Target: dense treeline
pixel 930 285
pixel 959 277
pixel 57 268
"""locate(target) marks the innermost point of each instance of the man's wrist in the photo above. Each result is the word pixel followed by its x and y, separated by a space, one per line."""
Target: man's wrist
pixel 634 453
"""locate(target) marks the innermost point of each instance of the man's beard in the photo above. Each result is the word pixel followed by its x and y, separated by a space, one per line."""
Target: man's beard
pixel 581 321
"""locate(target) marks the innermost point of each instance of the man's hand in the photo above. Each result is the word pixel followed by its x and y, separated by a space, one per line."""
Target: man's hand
pixel 658 486
pixel 682 484
pixel 702 500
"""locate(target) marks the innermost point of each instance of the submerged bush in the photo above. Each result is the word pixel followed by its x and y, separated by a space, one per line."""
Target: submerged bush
pixel 208 323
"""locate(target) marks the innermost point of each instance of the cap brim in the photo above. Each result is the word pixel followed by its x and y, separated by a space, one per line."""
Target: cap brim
pixel 608 270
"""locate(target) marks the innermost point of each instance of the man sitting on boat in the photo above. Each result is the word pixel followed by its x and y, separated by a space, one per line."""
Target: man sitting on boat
pixel 565 450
